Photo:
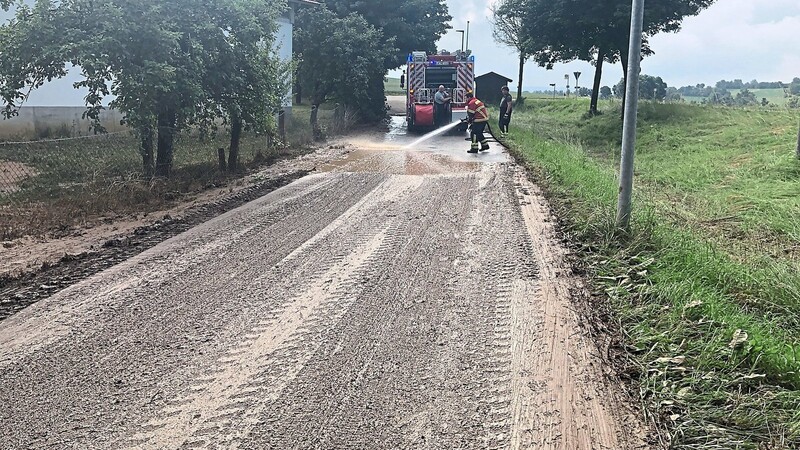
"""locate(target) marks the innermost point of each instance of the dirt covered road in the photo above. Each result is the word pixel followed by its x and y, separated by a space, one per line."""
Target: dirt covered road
pixel 396 299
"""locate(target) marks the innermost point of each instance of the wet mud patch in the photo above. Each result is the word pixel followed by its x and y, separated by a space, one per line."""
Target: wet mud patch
pixel 399 162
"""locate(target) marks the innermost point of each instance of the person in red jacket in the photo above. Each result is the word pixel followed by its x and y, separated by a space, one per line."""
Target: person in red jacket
pixel 478 117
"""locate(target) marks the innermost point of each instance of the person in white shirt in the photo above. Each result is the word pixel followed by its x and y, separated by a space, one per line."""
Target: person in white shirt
pixel 441 102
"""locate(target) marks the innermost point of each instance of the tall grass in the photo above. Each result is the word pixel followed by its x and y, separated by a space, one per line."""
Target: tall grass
pixel 77 181
pixel 707 288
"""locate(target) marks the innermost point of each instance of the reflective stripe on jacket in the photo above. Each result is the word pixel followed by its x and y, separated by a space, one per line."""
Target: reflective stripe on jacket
pixel 476 108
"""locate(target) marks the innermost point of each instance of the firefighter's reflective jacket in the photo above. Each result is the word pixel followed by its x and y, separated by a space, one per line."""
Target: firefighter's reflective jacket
pixel 477 111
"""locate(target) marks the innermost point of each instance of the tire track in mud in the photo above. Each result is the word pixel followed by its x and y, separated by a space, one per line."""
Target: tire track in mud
pixel 566 400
pixel 339 389
pixel 166 335
pixel 351 241
pixel 227 394
pixel 191 253
pixel 363 310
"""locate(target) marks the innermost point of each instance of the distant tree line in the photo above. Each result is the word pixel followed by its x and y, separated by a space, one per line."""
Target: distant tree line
pixel 755 84
pixel 701 90
pixel 721 93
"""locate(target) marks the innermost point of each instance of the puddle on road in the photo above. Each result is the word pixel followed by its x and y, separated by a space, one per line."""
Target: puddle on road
pixel 399 162
pixel 384 153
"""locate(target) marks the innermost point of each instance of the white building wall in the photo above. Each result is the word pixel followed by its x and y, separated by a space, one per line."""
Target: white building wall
pixel 284 47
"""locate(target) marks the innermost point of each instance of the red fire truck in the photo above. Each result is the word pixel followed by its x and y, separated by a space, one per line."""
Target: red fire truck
pixel 456 72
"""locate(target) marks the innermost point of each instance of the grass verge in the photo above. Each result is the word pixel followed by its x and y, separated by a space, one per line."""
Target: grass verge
pixel 708 305
pixel 50 186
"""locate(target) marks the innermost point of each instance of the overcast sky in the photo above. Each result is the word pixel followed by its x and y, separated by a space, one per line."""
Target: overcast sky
pixel 744 39
pixel 747 39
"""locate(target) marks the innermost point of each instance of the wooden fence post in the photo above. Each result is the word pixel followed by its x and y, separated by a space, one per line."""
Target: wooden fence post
pixel 222 166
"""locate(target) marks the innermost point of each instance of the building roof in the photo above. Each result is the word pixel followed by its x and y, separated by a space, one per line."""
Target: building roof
pixel 494 74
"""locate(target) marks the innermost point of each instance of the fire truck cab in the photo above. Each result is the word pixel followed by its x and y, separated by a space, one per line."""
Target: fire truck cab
pixel 456 72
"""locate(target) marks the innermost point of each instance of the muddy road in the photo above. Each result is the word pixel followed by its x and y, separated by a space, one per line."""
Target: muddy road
pixel 395 299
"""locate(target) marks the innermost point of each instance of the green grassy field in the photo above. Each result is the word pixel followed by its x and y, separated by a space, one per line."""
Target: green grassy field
pixel 773 96
pixel 706 287
pixel 392 86
pixel 54 184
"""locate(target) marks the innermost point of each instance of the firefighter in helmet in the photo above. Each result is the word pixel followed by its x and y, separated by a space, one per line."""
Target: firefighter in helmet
pixel 477 117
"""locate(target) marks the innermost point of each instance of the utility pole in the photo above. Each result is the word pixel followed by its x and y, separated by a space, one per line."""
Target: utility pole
pixel 629 125
pixel 467 36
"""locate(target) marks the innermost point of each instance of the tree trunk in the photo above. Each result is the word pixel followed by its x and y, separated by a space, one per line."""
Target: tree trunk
pixel 167 119
pixel 598 75
pixel 315 122
pixel 236 136
pixel 223 166
pixel 522 58
pixel 146 148
pixel 298 94
pixel 282 126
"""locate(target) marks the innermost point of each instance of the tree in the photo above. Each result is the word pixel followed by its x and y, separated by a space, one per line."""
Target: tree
pixel 699 90
pixel 244 79
pixel 746 98
pixel 507 30
pixel 650 88
pixel 596 30
pixel 731 85
pixel 341 60
pixel 605 92
pixel 794 87
pixel 156 59
pixel 673 95
pixel 720 97
pixel 412 25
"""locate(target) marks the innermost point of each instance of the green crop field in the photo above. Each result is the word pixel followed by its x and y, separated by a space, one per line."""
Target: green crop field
pixel 773 96
pixel 706 284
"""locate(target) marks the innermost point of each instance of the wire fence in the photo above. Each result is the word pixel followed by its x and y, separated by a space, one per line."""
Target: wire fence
pixel 54 184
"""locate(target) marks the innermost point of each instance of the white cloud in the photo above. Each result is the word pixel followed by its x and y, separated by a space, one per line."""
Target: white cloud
pixel 747 39
pixel 732 39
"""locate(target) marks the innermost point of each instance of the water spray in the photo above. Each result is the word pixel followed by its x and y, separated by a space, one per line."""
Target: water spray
pixel 433 133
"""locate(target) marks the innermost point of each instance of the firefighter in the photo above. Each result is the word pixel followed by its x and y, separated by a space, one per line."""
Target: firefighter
pixel 477 117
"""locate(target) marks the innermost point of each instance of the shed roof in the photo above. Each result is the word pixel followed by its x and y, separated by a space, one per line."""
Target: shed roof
pixel 494 74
